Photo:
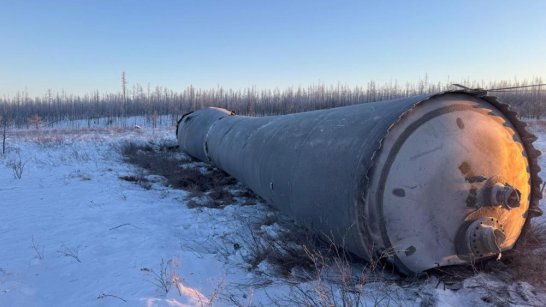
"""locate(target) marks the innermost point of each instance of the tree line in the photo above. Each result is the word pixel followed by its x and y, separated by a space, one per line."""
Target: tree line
pixel 21 110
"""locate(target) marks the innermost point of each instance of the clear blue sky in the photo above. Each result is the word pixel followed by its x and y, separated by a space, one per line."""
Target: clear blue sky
pixel 80 46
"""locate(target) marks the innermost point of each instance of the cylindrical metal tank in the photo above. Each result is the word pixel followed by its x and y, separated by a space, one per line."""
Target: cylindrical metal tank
pixel 431 180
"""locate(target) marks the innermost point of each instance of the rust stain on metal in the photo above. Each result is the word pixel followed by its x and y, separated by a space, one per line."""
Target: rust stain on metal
pixel 475 179
pixel 465 169
pixel 460 123
pixel 472 198
pixel 399 192
pixel 410 250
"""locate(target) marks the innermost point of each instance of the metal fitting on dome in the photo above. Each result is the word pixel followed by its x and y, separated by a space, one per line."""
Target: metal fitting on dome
pixel 480 238
pixel 499 194
pixel 505 195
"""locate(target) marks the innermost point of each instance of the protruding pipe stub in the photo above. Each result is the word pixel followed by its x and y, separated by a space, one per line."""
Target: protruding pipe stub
pixel 480 238
pixel 505 195
pixel 499 194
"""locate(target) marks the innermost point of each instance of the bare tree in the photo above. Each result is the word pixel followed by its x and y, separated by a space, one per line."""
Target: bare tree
pixel 35 120
pixel 155 116
pixel 58 106
pixel 124 93
pixel 124 86
pixel 4 122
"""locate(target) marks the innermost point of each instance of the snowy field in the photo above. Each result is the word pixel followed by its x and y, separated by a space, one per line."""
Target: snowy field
pixel 72 233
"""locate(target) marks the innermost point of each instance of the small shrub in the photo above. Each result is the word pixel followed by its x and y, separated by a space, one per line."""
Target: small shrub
pixel 162 278
pixel 17 166
pixel 39 250
pixel 291 250
pixel 70 252
pixel 80 155
pixel 105 295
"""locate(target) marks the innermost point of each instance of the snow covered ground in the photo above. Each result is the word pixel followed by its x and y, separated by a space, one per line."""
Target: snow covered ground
pixel 72 233
pixel 110 122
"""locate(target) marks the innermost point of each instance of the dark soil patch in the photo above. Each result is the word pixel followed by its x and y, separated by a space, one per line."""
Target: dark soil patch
pixel 185 173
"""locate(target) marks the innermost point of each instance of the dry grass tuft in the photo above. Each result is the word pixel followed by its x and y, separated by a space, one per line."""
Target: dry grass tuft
pixel 139 179
pixel 163 277
pixel 320 272
pixel 287 253
pixel 17 166
pixel 527 262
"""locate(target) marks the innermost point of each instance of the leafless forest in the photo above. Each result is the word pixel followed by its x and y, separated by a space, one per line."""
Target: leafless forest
pixel 21 110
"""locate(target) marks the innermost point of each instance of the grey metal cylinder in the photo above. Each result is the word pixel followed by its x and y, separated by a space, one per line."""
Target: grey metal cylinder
pixel 400 178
